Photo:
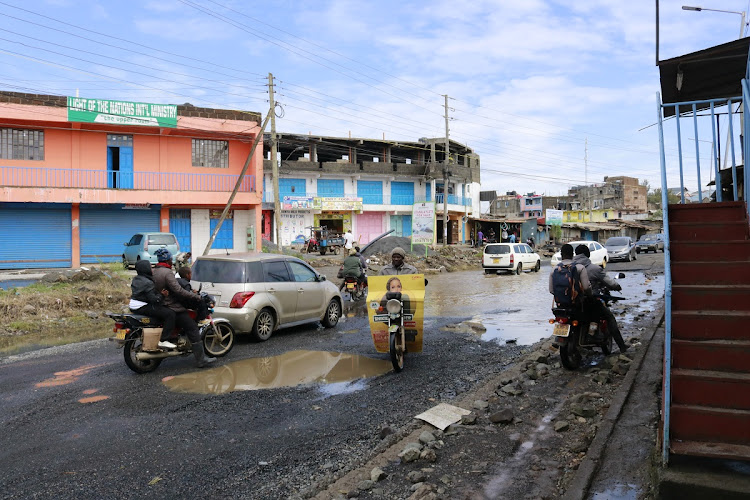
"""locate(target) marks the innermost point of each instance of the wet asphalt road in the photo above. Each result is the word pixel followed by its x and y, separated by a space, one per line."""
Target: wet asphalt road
pixel 137 437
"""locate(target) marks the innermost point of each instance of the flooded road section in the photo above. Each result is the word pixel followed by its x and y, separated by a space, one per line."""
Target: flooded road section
pixel 518 308
pixel 335 372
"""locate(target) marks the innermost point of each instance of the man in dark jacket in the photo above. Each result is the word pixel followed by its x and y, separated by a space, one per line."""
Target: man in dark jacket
pixel 164 280
pixel 145 300
pixel 600 283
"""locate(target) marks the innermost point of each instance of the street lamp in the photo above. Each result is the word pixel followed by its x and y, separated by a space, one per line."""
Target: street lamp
pixel 700 9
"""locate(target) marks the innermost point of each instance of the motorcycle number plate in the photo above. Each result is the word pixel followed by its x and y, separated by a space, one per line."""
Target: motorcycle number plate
pixel 350 286
pixel 120 335
pixel 561 330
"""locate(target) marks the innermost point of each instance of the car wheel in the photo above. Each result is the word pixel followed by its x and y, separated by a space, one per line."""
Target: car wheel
pixel 125 262
pixel 538 266
pixel 519 268
pixel 264 325
pixel 488 271
pixel 662 250
pixel 630 257
pixel 333 313
pixel 637 250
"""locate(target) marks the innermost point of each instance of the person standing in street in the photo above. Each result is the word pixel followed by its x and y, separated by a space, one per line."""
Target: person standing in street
pixel 349 240
pixel 480 239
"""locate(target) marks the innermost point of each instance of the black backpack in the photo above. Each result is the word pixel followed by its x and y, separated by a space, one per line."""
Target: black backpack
pixel 566 284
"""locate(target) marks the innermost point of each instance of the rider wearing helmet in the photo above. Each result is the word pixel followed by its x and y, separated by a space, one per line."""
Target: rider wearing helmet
pixel 164 280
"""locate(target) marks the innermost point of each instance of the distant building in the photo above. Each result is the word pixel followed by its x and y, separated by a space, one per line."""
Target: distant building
pixel 620 193
pixel 506 205
pixel 531 205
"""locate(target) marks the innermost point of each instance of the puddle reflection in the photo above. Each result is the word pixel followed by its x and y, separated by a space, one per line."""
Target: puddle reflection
pixel 619 492
pixel 290 369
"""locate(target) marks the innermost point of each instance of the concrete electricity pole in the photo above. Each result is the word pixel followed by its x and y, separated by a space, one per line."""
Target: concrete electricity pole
pixel 275 166
pixel 445 175
pixel 586 173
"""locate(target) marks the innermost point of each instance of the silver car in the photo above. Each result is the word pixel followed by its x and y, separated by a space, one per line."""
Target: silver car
pixel 621 248
pixel 259 292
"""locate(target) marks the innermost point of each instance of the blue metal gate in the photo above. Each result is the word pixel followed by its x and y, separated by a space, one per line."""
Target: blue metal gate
pixel 105 228
pixel 35 235
pixel 333 188
pixel 402 193
pixel 179 225
pixel 371 192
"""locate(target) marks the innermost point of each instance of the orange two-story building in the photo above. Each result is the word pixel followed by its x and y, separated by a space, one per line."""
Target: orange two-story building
pixel 79 177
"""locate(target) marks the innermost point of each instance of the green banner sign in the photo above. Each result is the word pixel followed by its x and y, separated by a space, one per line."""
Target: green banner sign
pixel 121 112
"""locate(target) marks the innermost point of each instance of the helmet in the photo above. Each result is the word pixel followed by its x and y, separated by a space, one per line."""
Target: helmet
pixel 163 255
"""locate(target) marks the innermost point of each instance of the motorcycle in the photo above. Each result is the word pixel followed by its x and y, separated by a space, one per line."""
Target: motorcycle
pixel 573 333
pixel 357 291
pixel 394 317
pixel 217 336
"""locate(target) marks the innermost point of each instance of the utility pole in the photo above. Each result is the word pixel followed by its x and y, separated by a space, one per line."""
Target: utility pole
pixel 275 167
pixel 586 173
pixel 445 175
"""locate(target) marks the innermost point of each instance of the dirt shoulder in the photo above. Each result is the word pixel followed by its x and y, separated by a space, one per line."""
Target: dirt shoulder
pixel 529 431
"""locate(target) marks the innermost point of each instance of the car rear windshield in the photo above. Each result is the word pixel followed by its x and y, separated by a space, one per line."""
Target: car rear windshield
pixel 497 249
pixel 616 242
pixel 219 271
pixel 161 239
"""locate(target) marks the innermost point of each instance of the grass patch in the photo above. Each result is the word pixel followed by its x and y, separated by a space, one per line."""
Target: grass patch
pixel 65 311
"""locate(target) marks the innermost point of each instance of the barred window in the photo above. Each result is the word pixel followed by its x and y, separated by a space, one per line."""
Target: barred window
pixel 18 144
pixel 207 153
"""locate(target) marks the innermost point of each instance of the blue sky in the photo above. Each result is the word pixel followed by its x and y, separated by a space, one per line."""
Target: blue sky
pixel 530 81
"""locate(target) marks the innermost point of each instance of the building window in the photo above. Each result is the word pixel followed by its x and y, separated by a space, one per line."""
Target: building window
pixel 207 153
pixel 17 144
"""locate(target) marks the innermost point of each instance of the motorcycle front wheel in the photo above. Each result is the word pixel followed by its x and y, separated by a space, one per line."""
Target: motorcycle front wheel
pixel 570 354
pixel 218 339
pixel 397 354
pixel 133 347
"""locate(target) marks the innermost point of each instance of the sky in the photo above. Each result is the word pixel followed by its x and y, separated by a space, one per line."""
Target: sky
pixel 550 94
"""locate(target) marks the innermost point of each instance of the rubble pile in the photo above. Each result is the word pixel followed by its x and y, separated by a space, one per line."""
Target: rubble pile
pixel 442 259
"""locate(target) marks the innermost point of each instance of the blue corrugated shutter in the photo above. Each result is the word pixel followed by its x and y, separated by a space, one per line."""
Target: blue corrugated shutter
pixel 401 224
pixel 104 229
pixel 35 235
pixel 225 239
pixel 291 187
pixel 406 230
pixel 429 191
pixel 371 192
pixel 402 193
pixel 179 225
pixel 331 188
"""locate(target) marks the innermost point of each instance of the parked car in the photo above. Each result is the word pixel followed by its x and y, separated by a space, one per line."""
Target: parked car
pixel 650 242
pixel 621 248
pixel 259 293
pixel 598 252
pixel 143 246
pixel 512 257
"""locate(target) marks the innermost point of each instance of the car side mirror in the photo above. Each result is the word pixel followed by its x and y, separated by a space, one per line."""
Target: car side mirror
pixel 321 277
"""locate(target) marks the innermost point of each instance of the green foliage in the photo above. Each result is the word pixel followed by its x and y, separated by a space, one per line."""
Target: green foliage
pixel 655 197
pixel 555 232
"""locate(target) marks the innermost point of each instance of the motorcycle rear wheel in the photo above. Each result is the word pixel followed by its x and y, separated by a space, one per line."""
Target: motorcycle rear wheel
pixel 570 354
pixel 219 340
pixel 397 354
pixel 132 347
pixel 608 344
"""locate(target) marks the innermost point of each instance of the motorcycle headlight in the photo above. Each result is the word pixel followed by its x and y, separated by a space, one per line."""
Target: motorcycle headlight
pixel 393 306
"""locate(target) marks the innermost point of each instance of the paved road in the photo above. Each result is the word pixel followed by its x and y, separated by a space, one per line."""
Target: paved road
pixel 77 423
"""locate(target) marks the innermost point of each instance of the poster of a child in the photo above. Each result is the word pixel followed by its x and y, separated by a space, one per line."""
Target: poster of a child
pixel 411 289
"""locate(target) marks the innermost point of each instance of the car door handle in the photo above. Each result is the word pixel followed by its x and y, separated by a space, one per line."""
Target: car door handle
pixel 272 290
pixel 300 290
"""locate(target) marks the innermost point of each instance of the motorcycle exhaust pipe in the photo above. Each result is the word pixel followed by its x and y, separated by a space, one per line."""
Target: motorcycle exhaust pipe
pixel 143 356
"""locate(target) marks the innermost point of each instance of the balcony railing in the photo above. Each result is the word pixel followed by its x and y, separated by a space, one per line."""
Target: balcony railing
pixel 110 179
pixel 380 199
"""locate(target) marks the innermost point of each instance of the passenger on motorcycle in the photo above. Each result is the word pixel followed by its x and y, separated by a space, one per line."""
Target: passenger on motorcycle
pixel 583 284
pixel 146 301
pixel 595 308
pixel 353 268
pixel 164 280
pixel 397 265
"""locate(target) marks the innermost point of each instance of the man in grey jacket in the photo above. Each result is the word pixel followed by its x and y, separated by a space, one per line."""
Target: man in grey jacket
pixel 600 283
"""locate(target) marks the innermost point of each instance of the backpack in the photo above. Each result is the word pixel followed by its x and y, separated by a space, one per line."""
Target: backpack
pixel 566 284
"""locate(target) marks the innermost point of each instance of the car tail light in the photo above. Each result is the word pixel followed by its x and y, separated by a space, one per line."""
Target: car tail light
pixel 145 246
pixel 512 258
pixel 240 299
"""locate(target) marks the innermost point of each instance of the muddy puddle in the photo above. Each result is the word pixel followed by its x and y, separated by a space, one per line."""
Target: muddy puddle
pixel 334 373
pixel 517 309
pixel 8 284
